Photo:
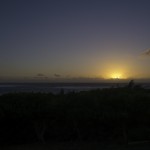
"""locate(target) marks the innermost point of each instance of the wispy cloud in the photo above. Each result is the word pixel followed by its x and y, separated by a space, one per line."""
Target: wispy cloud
pixel 146 52
pixel 57 75
pixel 40 76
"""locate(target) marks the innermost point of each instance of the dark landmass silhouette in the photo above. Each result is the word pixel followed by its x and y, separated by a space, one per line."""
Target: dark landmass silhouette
pixel 109 116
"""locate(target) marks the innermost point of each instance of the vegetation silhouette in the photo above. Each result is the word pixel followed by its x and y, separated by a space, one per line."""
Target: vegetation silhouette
pixel 116 115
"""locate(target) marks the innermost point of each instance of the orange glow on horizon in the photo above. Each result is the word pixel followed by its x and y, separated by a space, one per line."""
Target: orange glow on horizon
pixel 116 76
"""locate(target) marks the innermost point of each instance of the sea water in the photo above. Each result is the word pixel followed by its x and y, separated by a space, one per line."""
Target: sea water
pixel 57 87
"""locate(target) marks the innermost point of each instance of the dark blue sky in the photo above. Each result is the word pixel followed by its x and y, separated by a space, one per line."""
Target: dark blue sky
pixel 74 38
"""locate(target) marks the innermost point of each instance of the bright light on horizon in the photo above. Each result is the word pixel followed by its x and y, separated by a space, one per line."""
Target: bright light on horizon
pixel 116 76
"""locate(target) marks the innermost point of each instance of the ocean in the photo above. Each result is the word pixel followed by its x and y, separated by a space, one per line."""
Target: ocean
pixel 57 87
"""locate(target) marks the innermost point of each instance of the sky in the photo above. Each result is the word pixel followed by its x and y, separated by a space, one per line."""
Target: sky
pixel 74 39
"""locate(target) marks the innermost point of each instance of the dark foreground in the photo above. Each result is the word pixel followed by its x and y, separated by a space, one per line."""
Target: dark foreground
pixel 78 146
pixel 115 116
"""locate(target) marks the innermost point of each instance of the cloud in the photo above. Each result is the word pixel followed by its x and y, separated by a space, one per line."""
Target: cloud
pixel 57 75
pixel 146 52
pixel 40 76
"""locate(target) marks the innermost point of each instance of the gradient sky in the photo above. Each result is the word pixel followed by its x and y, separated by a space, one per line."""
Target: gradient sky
pixel 74 38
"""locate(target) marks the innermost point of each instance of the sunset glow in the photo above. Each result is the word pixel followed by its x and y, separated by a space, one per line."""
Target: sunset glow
pixel 74 41
pixel 116 76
